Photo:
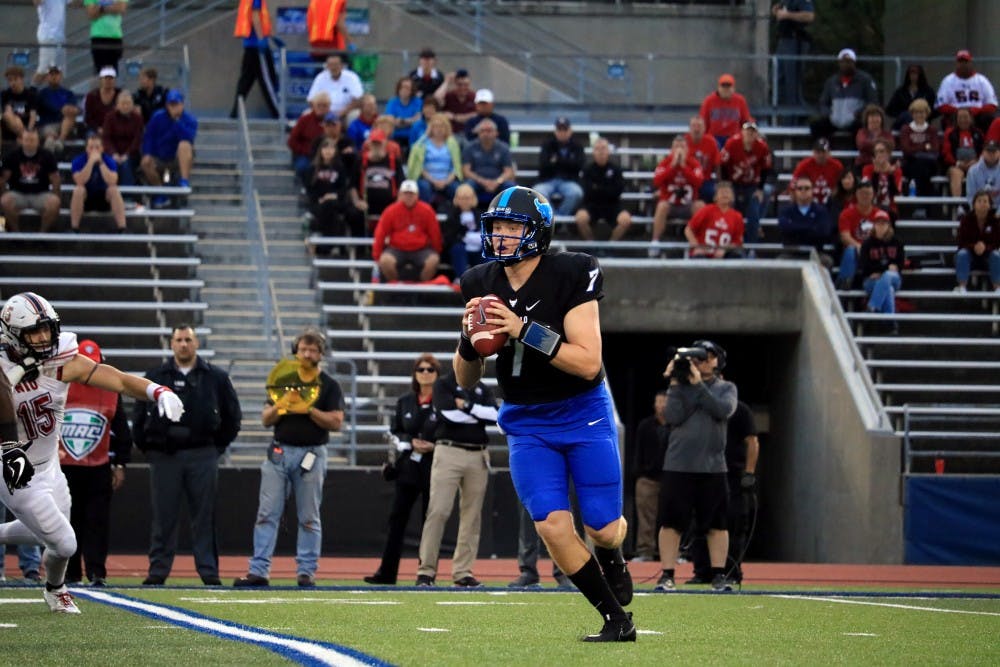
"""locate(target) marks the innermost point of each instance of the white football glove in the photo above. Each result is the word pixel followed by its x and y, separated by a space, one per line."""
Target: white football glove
pixel 170 406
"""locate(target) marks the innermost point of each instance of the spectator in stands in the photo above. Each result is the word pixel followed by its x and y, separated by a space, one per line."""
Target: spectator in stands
pixel 457 99
pixel 326 25
pixel 333 129
pixel 328 185
pixel 169 143
pixel 962 144
pixel 704 149
pixel 412 455
pixel 842 195
pixel 405 108
pixel 105 31
pixel 359 128
pixel 887 178
pixel 93 453
pixel 822 170
pixel 378 175
pixel 342 86
pixel 95 176
pixel 984 175
pixel 559 163
pixel 296 463
pixel 426 77
pixel 51 36
pixel 460 231
pixel 436 162
pixel 19 104
pixel 647 468
pixel 854 226
pixel 100 101
pixel 993 134
pixel 791 18
pixel 150 96
pixel 603 183
pixel 882 258
pixel 746 162
pixel 407 243
pixel 253 25
pixel 873 128
pixel 914 87
pixel 461 463
pixel 388 125
pixel 965 88
pixel 122 135
pixel 724 110
pixel 32 178
pixel 307 129
pixel 484 109
pixel 430 107
pixel 486 163
pixel 844 96
pixel 677 180
pixel 804 221
pixel 57 112
pixel 717 230
pixel 978 242
pixel 921 147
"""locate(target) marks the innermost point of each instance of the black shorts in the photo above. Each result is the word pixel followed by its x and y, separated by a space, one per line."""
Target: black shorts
pixel 97 201
pixel 703 495
pixel 605 213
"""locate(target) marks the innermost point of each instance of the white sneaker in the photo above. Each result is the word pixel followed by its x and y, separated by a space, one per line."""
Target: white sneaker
pixel 60 601
pixel 959 289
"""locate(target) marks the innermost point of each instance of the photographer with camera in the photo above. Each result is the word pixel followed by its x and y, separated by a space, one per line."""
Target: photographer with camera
pixel 184 456
pixel 699 404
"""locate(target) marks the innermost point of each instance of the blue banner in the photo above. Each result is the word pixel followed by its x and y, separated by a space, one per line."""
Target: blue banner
pixel 952 520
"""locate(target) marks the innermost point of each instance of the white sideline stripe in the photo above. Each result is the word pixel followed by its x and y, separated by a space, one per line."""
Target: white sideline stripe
pixel 860 634
pixel 479 603
pixel 288 601
pixel 890 604
pixel 648 632
pixel 8 625
pixel 433 630
pixel 20 600
pixel 322 654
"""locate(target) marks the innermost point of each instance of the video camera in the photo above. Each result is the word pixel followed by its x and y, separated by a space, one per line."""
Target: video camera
pixel 682 362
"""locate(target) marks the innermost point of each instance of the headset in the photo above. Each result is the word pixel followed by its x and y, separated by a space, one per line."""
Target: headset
pixel 714 348
pixel 317 337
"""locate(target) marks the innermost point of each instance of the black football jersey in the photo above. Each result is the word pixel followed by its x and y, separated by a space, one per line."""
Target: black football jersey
pixel 558 284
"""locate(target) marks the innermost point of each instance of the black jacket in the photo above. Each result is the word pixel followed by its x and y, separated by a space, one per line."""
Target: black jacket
pixel 411 422
pixel 212 412
pixel 650 448
pixel 558 160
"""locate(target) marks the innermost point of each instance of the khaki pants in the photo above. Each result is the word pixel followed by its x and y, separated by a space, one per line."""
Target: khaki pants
pixel 647 494
pixel 465 471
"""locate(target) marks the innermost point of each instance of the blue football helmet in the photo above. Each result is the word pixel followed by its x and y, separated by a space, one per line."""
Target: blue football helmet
pixel 523 206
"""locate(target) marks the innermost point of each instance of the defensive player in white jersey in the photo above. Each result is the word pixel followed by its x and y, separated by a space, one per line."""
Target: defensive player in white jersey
pixel 39 361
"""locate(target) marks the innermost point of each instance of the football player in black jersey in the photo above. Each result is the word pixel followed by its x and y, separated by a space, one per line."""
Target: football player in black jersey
pixel 557 412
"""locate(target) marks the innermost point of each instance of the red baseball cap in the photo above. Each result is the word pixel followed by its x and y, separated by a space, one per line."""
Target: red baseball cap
pixel 964 54
pixel 90 349
pixel 727 78
pixel 376 135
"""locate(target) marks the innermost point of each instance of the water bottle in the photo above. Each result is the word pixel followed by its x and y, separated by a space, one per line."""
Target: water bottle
pixel 913 187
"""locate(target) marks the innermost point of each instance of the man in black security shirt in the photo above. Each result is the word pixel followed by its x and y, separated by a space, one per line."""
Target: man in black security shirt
pixel 603 183
pixel 32 175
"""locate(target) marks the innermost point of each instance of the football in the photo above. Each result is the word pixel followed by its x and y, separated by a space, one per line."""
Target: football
pixel 481 334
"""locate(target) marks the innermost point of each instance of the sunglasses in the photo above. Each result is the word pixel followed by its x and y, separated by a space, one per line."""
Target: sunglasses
pixel 425 369
pixel 803 187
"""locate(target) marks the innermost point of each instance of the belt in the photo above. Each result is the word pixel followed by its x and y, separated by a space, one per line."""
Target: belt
pixel 460 445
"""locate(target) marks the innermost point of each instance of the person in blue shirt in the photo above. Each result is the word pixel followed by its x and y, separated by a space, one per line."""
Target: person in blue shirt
pixel 253 24
pixel 57 110
pixel 405 107
pixel 95 175
pixel 169 143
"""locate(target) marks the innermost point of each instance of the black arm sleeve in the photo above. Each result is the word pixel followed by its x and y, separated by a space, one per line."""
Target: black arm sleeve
pixel 230 412
pixel 121 436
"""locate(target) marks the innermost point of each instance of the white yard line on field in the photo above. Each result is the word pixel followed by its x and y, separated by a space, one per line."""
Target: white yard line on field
pixel 890 604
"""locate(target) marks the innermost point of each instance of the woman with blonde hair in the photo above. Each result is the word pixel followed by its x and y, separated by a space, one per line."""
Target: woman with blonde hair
pixel 436 162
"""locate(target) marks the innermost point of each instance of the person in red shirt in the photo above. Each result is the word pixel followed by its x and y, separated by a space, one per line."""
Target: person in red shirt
pixel 677 179
pixel 307 129
pixel 854 226
pixel 887 178
pixel 458 101
pixel 821 169
pixel 93 450
pixel 921 146
pixel 873 127
pixel 746 161
pixel 716 231
pixel 407 237
pixel 725 110
pixel 704 149
pixel 963 142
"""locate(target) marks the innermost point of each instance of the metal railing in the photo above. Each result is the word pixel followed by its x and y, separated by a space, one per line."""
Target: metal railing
pixel 964 417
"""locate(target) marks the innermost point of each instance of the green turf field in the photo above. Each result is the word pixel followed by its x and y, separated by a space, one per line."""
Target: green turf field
pixel 497 627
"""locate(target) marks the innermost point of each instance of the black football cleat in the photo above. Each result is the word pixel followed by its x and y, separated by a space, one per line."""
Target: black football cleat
pixel 622 630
